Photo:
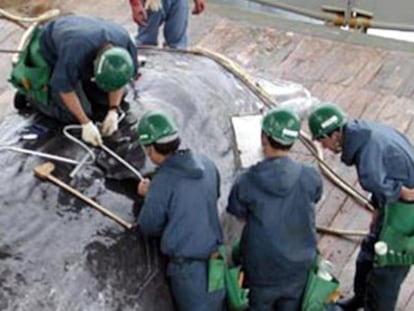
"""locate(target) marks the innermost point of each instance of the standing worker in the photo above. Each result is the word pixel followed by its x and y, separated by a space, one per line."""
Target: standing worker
pixel 384 160
pixel 276 199
pixel 80 65
pixel 151 14
pixel 181 206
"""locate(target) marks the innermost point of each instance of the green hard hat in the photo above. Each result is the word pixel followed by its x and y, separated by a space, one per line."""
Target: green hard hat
pixel 324 119
pixel 156 127
pixel 113 69
pixel 282 125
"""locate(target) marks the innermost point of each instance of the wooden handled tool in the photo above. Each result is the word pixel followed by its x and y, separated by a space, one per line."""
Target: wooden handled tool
pixel 44 171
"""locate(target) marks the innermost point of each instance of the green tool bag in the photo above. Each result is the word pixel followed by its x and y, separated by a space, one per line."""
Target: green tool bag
pixel 319 292
pixel 217 270
pixel 220 276
pixel 237 296
pixel 30 75
pixel 398 235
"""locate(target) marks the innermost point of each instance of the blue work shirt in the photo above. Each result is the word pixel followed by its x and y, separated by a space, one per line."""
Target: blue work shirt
pixel 71 43
pixel 276 199
pixel 384 159
pixel 181 206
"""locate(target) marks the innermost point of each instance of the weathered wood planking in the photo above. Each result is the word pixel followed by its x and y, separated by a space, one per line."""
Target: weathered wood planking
pixel 367 81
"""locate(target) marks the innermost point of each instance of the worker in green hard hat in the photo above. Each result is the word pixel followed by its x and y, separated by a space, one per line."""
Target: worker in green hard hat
pixel 78 69
pixel 384 160
pixel 275 198
pixel 181 206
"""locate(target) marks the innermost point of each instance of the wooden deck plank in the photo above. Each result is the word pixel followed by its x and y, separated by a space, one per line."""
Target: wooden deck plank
pixel 326 92
pixel 407 292
pixel 398 114
pixel 395 75
pixel 346 275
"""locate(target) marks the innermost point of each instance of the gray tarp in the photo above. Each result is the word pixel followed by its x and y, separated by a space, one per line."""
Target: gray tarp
pixel 57 253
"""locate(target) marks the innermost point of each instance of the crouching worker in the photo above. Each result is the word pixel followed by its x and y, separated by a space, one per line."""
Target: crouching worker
pixel 74 68
pixel 384 161
pixel 276 200
pixel 181 206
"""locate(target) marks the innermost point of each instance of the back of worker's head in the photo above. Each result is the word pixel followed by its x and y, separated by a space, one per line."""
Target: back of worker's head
pixel 325 119
pixel 158 129
pixel 281 126
pixel 113 68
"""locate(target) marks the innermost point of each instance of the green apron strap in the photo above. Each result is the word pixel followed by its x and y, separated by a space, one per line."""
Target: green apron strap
pixel 217 270
pixel 237 296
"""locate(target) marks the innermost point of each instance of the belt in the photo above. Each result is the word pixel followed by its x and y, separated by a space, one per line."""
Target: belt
pixel 181 260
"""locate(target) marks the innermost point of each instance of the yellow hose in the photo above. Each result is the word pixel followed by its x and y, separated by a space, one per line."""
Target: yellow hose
pixel 22 19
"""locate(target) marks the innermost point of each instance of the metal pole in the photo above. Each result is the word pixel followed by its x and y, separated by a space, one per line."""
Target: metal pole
pixel 122 161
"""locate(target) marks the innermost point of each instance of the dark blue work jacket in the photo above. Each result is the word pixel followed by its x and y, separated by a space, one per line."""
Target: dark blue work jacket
pixel 71 43
pixel 384 159
pixel 181 206
pixel 276 199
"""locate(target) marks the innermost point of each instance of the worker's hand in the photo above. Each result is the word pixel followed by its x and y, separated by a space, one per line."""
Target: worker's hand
pixel 407 194
pixel 90 134
pixel 110 123
pixel 143 186
pixel 139 14
pixel 199 6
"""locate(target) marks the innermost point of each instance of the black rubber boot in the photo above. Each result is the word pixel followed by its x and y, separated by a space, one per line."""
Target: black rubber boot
pixel 357 301
pixel 351 304
pixel 20 101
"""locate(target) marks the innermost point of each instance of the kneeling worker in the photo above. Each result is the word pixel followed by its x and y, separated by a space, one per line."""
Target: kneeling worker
pixel 181 206
pixel 75 66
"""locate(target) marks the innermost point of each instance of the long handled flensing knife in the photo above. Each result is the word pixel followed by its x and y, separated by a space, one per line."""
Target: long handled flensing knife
pixel 44 172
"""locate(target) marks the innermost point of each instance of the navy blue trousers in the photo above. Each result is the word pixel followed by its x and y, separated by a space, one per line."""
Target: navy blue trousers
pixel 189 281
pixel 376 287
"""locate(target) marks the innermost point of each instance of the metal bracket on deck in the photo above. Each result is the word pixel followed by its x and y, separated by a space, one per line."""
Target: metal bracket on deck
pixel 351 17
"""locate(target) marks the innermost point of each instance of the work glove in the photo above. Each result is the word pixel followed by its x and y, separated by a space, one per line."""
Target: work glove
pixel 110 123
pixel 199 6
pixel 143 186
pixel 139 13
pixel 90 134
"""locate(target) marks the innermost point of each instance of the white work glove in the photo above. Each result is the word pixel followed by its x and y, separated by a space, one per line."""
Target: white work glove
pixel 110 124
pixel 90 134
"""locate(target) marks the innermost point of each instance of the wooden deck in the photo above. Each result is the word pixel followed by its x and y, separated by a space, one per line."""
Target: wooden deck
pixel 369 78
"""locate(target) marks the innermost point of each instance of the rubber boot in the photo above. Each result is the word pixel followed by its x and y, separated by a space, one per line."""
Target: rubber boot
pixel 357 301
pixel 334 307
pixel 21 102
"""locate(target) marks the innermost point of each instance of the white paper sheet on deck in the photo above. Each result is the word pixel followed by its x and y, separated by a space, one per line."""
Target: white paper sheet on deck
pixel 247 131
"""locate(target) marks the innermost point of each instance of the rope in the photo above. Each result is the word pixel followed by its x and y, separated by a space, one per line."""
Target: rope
pixel 22 19
pixel 9 51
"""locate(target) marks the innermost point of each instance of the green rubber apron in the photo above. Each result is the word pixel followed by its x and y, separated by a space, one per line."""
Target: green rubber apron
pixel 395 246
pixel 319 292
pixel 30 75
pixel 221 276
